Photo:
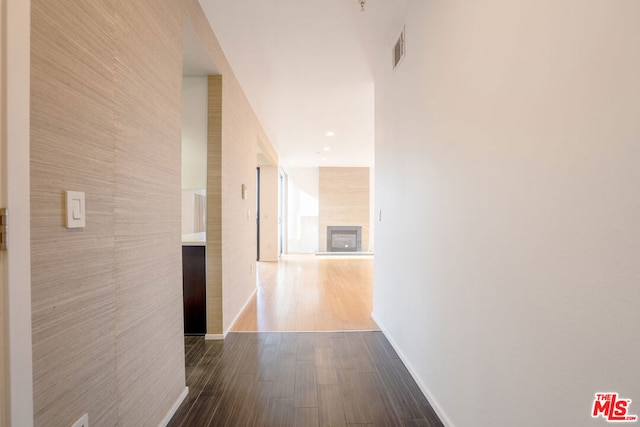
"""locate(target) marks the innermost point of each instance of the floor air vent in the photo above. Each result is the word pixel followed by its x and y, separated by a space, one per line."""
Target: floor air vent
pixel 398 50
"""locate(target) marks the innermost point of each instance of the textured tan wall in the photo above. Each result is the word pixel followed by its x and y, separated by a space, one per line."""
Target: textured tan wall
pixel 214 205
pixel 241 132
pixel 149 329
pixel 269 180
pixel 73 147
pixel 107 300
pixel 343 200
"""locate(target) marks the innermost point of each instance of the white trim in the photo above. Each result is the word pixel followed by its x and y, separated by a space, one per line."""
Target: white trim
pixel 423 387
pixel 246 303
pixel 214 337
pixel 17 48
pixel 174 408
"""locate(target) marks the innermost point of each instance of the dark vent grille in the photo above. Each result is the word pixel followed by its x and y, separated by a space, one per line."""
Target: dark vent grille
pixel 398 50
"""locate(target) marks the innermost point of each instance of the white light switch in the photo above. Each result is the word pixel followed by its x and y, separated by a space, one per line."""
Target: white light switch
pixel 75 209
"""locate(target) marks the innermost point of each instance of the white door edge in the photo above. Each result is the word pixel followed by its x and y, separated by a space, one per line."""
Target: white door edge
pixel 18 353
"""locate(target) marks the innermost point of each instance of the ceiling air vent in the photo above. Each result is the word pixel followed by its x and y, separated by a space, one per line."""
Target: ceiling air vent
pixel 398 50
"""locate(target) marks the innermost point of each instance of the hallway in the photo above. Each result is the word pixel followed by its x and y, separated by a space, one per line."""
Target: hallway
pixel 299 379
pixel 308 293
pixel 284 364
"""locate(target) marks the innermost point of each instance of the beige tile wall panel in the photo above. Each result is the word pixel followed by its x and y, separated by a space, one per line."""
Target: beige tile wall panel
pixel 343 200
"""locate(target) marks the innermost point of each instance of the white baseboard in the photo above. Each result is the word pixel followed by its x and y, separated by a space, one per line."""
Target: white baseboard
pixel 423 387
pixel 235 319
pixel 174 408
pixel 214 337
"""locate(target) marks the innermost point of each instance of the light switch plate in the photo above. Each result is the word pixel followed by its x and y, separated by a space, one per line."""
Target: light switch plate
pixel 76 212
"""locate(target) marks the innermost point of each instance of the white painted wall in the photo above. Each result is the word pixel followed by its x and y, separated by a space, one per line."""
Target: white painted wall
pixel 507 261
pixel 303 210
pixel 269 213
pixel 194 132
pixel 16 25
pixel 192 211
pixel 194 146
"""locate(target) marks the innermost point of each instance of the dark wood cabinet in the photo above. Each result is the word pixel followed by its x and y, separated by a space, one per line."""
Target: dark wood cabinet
pixel 194 288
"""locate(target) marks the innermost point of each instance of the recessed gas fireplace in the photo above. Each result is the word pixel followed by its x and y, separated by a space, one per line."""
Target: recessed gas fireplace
pixel 344 238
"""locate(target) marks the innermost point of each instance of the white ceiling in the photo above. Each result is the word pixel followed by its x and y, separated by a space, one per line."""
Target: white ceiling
pixel 305 71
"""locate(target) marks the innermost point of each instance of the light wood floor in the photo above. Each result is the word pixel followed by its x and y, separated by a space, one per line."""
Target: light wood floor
pixel 311 293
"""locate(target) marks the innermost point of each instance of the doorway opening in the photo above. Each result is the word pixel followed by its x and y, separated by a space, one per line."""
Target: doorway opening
pixel 197 88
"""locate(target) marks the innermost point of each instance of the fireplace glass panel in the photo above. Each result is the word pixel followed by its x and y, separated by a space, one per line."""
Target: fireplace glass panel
pixel 344 239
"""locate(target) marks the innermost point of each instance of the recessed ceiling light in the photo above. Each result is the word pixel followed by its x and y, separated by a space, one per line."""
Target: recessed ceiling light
pixel 327 148
pixel 324 159
pixel 331 133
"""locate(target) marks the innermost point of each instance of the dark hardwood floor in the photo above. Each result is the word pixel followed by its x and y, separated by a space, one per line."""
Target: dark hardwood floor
pixel 299 379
